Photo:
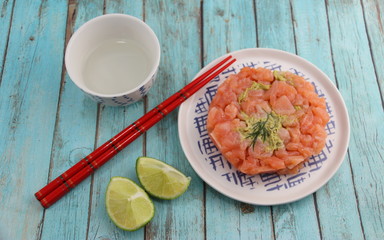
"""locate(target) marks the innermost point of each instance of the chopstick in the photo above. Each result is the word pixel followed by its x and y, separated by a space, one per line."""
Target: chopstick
pixel 72 177
pixel 111 142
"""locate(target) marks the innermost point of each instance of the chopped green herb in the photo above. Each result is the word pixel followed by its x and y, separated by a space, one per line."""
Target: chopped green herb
pixel 264 129
pixel 255 86
pixel 279 76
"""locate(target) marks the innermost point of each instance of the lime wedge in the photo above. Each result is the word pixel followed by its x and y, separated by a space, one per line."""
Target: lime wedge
pixel 160 179
pixel 128 205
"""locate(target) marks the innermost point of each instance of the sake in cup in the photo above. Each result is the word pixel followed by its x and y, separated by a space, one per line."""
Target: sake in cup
pixel 113 58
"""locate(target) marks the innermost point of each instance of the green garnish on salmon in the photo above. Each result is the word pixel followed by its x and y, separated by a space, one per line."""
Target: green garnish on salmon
pixel 279 76
pixel 255 86
pixel 264 129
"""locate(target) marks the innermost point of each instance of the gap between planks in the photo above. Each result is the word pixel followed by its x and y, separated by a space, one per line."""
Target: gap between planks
pixel 71 16
pixel 201 25
pixel 337 85
pixel 98 116
pixel 7 41
pixel 370 49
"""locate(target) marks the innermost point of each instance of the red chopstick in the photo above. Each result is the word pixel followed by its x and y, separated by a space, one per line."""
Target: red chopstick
pixel 127 136
pixel 107 145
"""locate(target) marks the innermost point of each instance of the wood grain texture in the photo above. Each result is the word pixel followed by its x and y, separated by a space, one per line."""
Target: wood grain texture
pixel 28 102
pixel 230 26
pixel 177 25
pixel 6 10
pixel 227 26
pixel 357 82
pixel 296 220
pixel 274 25
pixel 74 139
pixel 275 30
pixel 374 21
pixel 111 121
pixel 47 124
pixel 337 220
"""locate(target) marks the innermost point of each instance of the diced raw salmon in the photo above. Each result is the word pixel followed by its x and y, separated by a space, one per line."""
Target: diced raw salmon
pixel 232 110
pixel 283 106
pixel 278 89
pixel 292 161
pixel 302 115
pixel 238 85
pixel 284 135
pixel 215 116
pixel 258 107
pixel 322 114
pixel 306 122
pixel 259 150
pixel 225 135
pixel 295 134
pixel 306 140
pixel 274 162
pixel 262 75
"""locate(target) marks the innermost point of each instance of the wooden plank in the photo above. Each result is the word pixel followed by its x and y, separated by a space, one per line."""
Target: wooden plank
pixel 28 101
pixel 230 26
pixel 296 220
pixel 357 82
pixel 312 41
pixel 111 121
pixel 274 25
pixel 230 219
pixel 5 24
pixel 177 25
pixel 227 26
pixel 74 139
pixel 374 21
pixel 275 30
pixel 311 34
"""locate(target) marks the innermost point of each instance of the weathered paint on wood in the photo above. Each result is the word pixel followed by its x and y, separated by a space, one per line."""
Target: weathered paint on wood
pixel 6 11
pixel 337 220
pixel 374 22
pixel 177 25
pixel 46 124
pixel 357 82
pixel 74 139
pixel 229 26
pixel 274 25
pixel 111 121
pixel 28 103
pixel 276 30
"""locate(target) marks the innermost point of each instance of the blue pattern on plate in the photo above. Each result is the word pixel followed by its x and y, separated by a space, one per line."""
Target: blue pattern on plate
pixel 271 181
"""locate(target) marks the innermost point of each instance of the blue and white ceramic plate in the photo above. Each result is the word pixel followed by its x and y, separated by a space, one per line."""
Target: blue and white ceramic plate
pixel 263 189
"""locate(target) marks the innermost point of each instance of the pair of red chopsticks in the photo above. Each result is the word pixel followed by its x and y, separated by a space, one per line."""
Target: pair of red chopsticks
pixel 56 189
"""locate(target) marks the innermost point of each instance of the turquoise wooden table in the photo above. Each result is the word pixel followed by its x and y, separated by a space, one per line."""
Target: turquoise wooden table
pixel 47 124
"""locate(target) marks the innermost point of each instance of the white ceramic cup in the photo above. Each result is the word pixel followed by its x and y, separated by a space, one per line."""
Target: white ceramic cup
pixel 110 79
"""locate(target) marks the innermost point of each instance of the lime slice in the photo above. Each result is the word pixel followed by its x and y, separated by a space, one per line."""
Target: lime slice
pixel 160 179
pixel 128 205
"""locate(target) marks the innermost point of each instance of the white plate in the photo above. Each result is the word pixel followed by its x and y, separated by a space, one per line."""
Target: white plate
pixel 263 189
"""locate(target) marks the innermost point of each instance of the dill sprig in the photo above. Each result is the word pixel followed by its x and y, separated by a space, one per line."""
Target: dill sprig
pixel 259 130
pixel 266 130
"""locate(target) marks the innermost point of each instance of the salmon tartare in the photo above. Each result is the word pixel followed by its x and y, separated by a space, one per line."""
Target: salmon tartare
pixel 265 121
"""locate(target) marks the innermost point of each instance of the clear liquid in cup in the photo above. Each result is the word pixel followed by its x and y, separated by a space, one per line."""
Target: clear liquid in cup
pixel 116 66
